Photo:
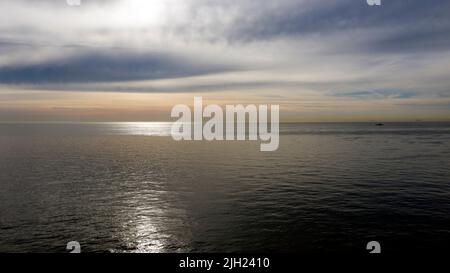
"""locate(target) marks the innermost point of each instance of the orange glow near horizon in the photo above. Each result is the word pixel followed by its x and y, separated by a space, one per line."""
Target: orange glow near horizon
pixel 23 106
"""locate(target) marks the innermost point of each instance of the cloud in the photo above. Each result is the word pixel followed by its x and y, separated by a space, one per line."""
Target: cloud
pixel 340 49
pixel 395 26
pixel 377 94
pixel 109 66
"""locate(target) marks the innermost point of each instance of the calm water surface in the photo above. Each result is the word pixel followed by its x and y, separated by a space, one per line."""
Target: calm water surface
pixel 128 187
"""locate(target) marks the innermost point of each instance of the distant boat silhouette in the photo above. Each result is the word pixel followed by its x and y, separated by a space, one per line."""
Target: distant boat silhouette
pixel 379 124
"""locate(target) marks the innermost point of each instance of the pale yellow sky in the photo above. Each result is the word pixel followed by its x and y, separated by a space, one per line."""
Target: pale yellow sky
pixel 23 106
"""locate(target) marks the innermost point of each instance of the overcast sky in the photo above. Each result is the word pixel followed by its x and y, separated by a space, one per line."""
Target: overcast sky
pixel 321 60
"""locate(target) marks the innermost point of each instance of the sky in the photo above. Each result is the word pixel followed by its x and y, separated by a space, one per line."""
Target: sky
pixel 133 60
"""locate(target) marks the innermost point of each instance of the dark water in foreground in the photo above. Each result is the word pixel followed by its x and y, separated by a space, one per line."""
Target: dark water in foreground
pixel 129 188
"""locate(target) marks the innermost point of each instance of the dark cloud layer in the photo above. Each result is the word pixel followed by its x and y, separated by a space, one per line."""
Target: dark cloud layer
pixel 404 25
pixel 110 66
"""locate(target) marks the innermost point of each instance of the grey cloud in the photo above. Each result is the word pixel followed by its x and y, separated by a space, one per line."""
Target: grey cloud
pixel 108 66
pixel 348 31
pixel 377 94
pixel 397 25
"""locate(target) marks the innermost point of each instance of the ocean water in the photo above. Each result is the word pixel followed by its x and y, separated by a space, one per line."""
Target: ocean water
pixel 128 187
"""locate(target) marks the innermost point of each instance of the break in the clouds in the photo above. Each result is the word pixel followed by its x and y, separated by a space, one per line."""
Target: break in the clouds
pixel 327 50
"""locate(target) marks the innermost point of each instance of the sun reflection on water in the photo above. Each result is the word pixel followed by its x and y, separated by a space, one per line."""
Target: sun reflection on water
pixel 141 128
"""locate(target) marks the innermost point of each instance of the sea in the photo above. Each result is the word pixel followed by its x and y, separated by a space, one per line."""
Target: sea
pixel 129 187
